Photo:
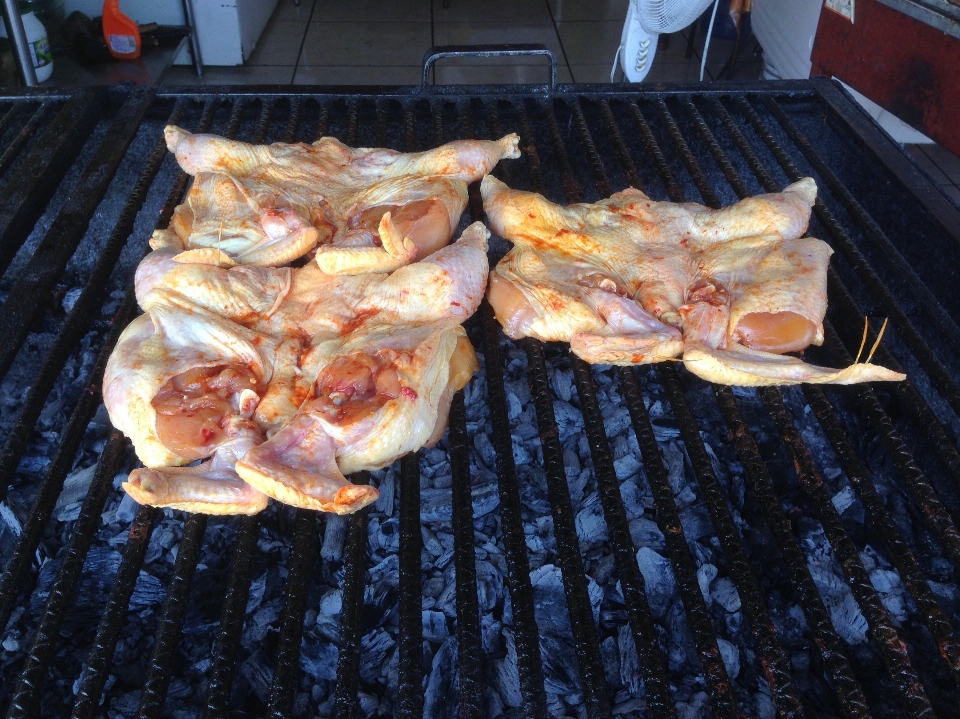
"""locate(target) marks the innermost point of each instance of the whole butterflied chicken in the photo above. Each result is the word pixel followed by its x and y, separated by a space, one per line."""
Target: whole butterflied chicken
pixel 283 380
pixel 363 210
pixel 629 280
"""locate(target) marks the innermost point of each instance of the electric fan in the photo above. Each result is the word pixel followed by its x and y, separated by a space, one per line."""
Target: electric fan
pixel 645 20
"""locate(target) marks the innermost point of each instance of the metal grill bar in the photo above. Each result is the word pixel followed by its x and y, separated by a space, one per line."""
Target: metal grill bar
pixel 30 188
pixel 26 697
pixel 468 620
pixel 12 111
pixel 912 476
pixel 891 648
pixel 931 365
pixel 934 617
pixel 348 664
pixel 685 569
pixel 52 482
pixel 78 319
pixel 853 701
pixel 170 630
pixel 765 633
pixel 715 672
pixel 596 698
pixel 348 675
pixel 644 633
pixel 94 674
pixel 945 324
pixel 775 664
pixel 83 532
pixel 286 672
pixel 25 134
pixel 921 489
pixel 649 651
pixel 238 585
pixel 231 620
pixel 54 251
pixel 171 623
pixel 923 416
pixel 526 632
pixel 409 692
pixel 469 648
pixel 584 629
pixel 410 689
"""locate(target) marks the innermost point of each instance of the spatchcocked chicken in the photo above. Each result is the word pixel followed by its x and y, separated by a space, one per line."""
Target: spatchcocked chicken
pixel 283 380
pixel 628 280
pixel 362 210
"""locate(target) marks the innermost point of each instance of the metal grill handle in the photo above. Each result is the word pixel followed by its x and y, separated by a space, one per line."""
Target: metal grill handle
pixel 510 50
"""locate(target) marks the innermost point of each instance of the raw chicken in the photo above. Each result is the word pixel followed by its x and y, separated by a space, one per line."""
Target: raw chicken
pixel 631 281
pixel 376 397
pixel 366 210
pixel 247 365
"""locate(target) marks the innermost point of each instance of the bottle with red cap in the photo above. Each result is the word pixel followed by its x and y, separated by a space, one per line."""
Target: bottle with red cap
pixel 120 32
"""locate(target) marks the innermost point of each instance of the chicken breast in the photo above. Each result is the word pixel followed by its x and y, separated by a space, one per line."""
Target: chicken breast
pixel 366 210
pixel 628 280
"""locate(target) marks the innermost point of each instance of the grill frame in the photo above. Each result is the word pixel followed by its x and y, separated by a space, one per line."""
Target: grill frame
pixel 59 145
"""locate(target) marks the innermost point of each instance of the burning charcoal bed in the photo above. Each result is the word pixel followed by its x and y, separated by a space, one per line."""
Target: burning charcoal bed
pixel 585 541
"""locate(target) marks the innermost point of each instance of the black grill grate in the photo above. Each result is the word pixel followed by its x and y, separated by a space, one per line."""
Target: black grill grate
pixel 897 244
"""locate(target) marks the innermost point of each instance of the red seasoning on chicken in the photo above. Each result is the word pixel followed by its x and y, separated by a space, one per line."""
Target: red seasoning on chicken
pixel 363 209
pixel 628 280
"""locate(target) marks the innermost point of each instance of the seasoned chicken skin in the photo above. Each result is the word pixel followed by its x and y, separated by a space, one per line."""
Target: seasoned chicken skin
pixel 365 210
pixel 628 280
pixel 285 379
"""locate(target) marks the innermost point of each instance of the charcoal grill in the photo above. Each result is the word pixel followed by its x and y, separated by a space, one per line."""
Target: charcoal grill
pixel 85 177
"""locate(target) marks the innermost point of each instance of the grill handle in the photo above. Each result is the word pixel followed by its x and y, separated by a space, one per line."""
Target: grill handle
pixel 441 51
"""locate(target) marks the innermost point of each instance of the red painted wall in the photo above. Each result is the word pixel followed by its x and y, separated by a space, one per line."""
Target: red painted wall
pixel 903 65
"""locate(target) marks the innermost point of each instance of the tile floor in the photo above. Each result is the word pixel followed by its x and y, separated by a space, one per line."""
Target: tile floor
pixel 339 42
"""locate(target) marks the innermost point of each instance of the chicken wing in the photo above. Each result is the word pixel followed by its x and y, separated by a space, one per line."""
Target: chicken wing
pixel 366 210
pixel 628 280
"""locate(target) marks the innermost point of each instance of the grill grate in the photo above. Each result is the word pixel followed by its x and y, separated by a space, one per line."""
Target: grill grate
pixel 790 450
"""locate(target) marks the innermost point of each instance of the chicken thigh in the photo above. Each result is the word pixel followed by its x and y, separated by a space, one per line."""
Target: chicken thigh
pixel 628 280
pixel 366 210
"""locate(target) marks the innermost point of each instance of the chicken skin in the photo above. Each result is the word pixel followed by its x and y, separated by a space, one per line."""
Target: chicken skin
pixel 364 210
pixel 628 280
pixel 284 379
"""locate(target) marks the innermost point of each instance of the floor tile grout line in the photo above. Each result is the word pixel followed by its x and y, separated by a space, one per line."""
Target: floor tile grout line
pixel 556 31
pixel 303 40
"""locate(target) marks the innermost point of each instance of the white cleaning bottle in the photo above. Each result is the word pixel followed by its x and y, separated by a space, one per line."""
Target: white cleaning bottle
pixel 37 41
